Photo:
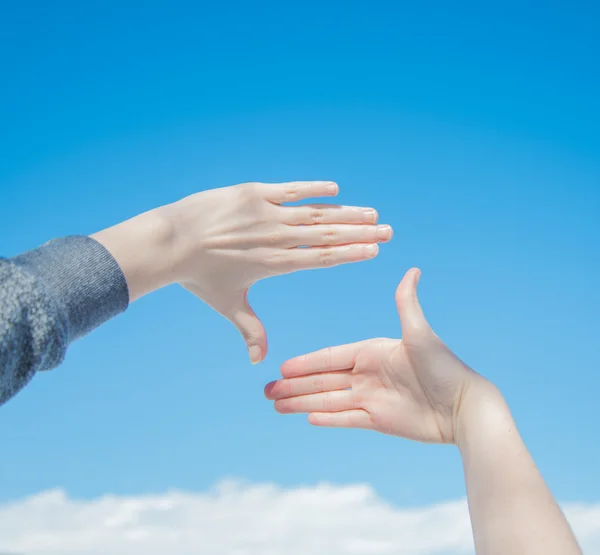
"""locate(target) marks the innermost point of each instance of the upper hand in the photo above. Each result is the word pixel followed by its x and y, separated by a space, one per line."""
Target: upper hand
pixel 227 239
pixel 412 388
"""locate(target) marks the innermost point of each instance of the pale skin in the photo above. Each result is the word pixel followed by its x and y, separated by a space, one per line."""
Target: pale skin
pixel 416 388
pixel 218 243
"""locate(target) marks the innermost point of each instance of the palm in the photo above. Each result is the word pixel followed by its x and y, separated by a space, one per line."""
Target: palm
pixel 387 386
pixel 409 388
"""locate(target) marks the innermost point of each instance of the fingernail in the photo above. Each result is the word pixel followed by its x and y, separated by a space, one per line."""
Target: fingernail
pixel 255 354
pixel 384 232
pixel 371 250
pixel 371 215
pixel 332 188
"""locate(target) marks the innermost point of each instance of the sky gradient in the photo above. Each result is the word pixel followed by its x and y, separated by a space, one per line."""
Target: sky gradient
pixel 472 129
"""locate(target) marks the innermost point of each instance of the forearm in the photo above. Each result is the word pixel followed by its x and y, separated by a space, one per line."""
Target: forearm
pixel 512 509
pixel 52 295
pixel 144 249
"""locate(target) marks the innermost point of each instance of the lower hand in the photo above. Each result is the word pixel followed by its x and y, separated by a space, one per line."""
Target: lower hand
pixel 414 388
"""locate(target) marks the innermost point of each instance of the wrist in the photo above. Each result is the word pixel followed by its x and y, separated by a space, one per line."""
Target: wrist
pixel 483 417
pixel 143 248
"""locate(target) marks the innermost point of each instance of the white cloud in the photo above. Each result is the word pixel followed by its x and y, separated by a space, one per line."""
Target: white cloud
pixel 242 519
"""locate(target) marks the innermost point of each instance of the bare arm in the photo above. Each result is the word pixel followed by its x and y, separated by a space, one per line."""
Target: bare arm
pixel 416 388
pixel 511 507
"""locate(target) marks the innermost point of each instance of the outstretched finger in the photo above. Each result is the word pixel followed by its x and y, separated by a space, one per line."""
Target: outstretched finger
pixel 331 359
pixel 315 214
pixel 346 419
pixel 330 401
pixel 304 385
pixel 300 190
pixel 285 261
pixel 337 234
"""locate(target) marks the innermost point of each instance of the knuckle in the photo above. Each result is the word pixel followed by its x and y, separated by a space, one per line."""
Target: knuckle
pixel 327 402
pixel 326 258
pixel 291 194
pixel 274 237
pixel 328 358
pixel 318 384
pixel 249 188
pixel 286 388
pixel 329 236
pixel 250 193
pixel 316 215
pixel 252 336
pixel 276 258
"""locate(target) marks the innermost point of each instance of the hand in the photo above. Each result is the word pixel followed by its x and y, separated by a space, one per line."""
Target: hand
pixel 227 239
pixel 414 388
pixel 418 389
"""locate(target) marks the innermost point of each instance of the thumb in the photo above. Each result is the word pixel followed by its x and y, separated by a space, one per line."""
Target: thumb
pixel 412 319
pixel 251 328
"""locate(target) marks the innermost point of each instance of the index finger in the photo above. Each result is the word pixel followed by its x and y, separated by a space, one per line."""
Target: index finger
pixel 331 359
pixel 300 190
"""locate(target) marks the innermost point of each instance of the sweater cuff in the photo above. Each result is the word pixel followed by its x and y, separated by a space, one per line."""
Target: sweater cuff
pixel 82 278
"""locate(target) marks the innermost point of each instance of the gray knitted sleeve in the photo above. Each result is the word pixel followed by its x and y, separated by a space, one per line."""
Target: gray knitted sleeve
pixel 49 297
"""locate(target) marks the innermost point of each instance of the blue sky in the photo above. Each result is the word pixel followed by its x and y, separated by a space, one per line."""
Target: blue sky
pixel 473 130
